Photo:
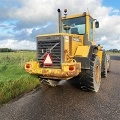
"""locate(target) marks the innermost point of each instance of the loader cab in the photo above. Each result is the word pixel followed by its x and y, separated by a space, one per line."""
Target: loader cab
pixel 76 25
pixel 82 24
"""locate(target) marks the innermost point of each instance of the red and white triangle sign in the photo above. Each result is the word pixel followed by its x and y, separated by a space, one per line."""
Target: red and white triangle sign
pixel 47 60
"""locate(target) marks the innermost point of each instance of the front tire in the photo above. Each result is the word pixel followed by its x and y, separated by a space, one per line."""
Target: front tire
pixel 104 66
pixel 108 63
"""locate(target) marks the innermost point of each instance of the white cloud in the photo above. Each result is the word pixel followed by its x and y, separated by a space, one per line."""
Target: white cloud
pixel 34 16
pixel 15 44
pixel 103 38
pixel 33 11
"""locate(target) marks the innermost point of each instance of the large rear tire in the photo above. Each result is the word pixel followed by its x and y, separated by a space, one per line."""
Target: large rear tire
pixel 104 66
pixel 90 79
pixel 108 63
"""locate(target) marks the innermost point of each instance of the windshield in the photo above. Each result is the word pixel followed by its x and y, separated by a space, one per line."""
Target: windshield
pixel 77 25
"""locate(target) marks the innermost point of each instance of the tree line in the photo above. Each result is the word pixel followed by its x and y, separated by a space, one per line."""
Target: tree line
pixel 11 50
pixel 6 50
pixel 114 50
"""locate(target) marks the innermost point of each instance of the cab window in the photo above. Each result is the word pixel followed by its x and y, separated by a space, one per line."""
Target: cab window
pixel 77 25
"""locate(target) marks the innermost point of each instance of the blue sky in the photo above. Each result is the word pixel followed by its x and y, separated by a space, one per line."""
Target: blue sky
pixel 112 3
pixel 22 20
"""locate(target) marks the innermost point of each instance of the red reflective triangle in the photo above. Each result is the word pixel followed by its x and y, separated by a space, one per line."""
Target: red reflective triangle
pixel 47 60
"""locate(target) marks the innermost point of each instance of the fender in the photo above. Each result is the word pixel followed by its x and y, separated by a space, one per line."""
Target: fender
pixel 84 54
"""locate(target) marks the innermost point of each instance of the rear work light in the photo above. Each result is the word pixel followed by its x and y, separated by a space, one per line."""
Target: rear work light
pixel 28 65
pixel 71 67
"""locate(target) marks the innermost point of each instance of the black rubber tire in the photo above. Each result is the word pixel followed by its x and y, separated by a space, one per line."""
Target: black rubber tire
pixel 108 66
pixel 104 66
pixel 108 63
pixel 90 79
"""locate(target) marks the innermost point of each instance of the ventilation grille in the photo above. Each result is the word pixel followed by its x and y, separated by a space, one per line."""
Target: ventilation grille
pixel 53 47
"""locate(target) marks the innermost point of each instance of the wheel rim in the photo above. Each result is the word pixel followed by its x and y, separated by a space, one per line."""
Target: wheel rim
pixel 97 74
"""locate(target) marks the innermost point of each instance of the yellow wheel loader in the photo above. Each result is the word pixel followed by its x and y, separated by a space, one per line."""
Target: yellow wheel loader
pixel 71 53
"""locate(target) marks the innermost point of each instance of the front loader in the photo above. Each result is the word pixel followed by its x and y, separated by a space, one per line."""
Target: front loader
pixel 71 53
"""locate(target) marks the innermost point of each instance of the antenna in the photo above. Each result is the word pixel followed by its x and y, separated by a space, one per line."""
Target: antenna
pixel 88 11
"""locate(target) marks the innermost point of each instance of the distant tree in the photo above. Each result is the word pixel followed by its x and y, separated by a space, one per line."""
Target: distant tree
pixel 6 50
pixel 111 50
pixel 115 50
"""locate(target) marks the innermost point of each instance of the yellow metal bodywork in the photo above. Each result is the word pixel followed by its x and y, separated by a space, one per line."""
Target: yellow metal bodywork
pixel 87 28
pixel 63 73
pixel 82 51
pixel 99 54
pixel 77 15
pixel 70 43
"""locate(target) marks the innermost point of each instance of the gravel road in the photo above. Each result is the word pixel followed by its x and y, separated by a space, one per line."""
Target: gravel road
pixel 66 102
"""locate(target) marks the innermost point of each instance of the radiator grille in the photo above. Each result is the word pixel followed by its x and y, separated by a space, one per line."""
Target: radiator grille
pixel 49 46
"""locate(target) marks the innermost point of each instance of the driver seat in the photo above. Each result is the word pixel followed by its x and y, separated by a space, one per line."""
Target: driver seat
pixel 74 30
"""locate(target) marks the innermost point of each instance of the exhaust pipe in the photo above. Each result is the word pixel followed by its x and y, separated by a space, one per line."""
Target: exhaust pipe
pixel 59 20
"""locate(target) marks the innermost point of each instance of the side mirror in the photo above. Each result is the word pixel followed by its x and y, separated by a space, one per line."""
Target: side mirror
pixel 97 24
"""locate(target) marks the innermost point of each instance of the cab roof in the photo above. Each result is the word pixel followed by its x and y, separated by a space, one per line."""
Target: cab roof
pixel 77 15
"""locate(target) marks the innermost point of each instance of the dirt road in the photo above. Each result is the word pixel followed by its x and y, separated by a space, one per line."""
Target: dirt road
pixel 66 102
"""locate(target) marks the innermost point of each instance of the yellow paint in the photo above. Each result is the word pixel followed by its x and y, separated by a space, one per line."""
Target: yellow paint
pixel 82 51
pixel 75 44
pixel 56 34
pixel 74 16
pixel 66 49
pixel 63 73
pixel 100 55
pixel 87 26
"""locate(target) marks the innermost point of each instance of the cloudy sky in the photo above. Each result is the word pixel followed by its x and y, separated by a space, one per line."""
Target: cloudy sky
pixel 22 20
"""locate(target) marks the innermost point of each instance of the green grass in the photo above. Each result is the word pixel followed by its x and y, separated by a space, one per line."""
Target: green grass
pixel 14 80
pixel 113 53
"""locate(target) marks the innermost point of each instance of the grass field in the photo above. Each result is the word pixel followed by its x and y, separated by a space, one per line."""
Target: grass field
pixel 113 54
pixel 13 78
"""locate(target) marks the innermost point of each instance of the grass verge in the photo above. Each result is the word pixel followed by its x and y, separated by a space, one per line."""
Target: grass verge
pixel 14 80
pixel 12 89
